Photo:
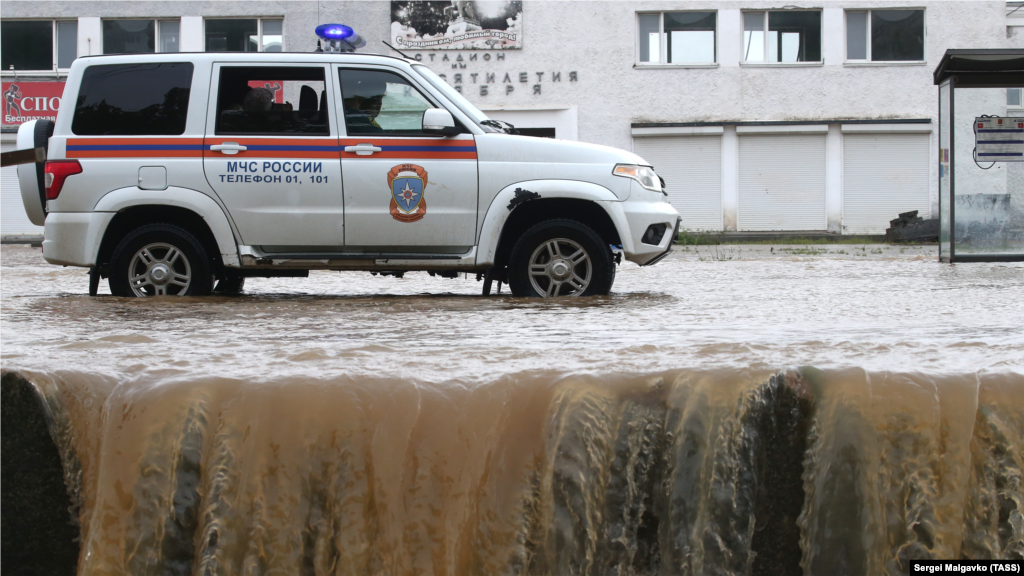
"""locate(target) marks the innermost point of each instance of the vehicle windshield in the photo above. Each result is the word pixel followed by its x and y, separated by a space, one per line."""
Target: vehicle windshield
pixel 456 98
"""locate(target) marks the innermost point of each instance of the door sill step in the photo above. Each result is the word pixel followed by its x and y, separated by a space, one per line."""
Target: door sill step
pixel 360 256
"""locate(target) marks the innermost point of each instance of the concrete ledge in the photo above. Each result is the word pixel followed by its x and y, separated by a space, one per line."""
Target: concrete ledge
pixel 704 237
pixel 679 131
pixel 792 129
pixel 886 128
pixel 33 239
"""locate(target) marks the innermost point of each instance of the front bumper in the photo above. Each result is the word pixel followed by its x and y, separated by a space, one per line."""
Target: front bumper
pixel 668 249
pixel 632 218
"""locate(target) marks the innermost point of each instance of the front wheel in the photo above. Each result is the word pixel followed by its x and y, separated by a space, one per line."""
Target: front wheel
pixel 160 260
pixel 561 258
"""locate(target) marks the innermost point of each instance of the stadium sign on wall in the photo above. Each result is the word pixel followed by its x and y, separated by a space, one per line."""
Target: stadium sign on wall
pixel 457 25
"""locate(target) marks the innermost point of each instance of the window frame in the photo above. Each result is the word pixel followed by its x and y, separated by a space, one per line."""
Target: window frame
pixel 764 31
pixel 259 32
pixel 213 111
pixel 427 95
pixel 83 85
pixel 663 46
pixel 54 70
pixel 867 61
pixel 157 23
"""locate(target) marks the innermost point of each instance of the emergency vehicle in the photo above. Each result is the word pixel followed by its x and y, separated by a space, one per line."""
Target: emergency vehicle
pixel 184 174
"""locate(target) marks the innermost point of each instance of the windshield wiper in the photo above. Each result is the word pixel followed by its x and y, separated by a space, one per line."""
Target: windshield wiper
pixel 501 125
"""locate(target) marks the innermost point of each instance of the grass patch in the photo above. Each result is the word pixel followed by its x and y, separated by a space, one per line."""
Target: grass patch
pixel 700 238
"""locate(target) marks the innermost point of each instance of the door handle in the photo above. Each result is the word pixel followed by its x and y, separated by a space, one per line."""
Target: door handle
pixel 363 149
pixel 228 148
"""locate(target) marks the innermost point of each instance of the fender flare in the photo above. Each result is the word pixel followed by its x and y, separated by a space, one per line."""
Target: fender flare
pixel 498 212
pixel 203 205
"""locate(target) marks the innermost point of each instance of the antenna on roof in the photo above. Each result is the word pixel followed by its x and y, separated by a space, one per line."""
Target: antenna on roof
pixel 404 55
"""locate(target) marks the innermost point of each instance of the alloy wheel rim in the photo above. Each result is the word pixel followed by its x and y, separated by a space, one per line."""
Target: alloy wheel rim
pixel 159 269
pixel 560 267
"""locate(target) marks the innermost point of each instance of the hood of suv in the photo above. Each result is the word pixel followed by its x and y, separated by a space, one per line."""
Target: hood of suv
pixel 509 148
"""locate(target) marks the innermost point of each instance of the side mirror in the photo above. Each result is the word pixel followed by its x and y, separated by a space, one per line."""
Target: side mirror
pixel 439 122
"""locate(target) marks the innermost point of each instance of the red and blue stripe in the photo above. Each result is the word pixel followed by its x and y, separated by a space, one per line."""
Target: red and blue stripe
pixel 134 148
pixel 324 148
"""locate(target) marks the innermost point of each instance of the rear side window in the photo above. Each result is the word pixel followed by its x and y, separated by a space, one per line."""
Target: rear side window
pixel 272 100
pixel 133 100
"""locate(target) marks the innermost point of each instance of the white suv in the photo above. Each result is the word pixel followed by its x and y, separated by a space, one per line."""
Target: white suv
pixel 183 174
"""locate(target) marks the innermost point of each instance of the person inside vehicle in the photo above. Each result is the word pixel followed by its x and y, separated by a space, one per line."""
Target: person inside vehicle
pixel 258 100
pixel 362 101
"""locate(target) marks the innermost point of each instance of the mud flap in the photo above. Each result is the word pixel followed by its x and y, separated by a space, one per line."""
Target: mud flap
pixel 94 280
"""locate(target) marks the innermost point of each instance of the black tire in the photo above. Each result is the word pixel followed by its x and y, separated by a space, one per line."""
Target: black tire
pixel 231 284
pixel 192 260
pixel 568 237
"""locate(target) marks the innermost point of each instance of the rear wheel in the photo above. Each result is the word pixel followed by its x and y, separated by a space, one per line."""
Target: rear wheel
pixel 561 258
pixel 160 260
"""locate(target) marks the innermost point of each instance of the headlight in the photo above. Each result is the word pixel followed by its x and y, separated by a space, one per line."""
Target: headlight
pixel 643 174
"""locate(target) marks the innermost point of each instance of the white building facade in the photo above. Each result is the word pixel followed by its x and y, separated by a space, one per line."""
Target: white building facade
pixel 759 116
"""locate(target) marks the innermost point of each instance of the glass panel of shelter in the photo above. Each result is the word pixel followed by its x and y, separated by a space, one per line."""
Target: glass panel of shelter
pixel 988 179
pixel 945 178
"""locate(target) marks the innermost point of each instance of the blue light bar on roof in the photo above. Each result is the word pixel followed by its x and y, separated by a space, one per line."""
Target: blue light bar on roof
pixel 338 38
pixel 335 32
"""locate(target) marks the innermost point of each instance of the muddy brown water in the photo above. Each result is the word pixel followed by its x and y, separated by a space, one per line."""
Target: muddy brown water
pixel 733 410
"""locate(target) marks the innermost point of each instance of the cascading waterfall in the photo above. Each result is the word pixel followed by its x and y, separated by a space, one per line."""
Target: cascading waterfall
pixel 681 472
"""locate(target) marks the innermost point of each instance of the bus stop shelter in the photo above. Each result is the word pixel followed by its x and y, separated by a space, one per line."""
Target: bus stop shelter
pixel 981 155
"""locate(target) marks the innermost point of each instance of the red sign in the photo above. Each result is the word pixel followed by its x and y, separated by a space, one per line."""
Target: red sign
pixel 273 85
pixel 24 101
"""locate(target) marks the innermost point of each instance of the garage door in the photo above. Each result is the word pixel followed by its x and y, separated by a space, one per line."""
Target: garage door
pixel 13 220
pixel 782 182
pixel 692 169
pixel 883 175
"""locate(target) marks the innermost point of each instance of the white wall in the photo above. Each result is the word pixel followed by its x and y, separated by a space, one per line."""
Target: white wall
pixel 596 41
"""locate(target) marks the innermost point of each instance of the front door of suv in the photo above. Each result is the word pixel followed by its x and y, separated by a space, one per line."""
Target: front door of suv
pixel 271 154
pixel 404 190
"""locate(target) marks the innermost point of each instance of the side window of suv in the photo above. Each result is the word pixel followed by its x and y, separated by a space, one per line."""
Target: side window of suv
pixel 381 103
pixel 272 100
pixel 133 99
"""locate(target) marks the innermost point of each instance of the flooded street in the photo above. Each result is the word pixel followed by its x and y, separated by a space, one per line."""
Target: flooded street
pixel 834 409
pixel 723 306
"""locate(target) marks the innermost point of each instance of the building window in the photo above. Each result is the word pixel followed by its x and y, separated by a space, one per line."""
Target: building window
pixel 676 38
pixel 38 44
pixel 885 35
pixel 140 36
pixel 1014 98
pixel 782 36
pixel 244 35
pixel 170 31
